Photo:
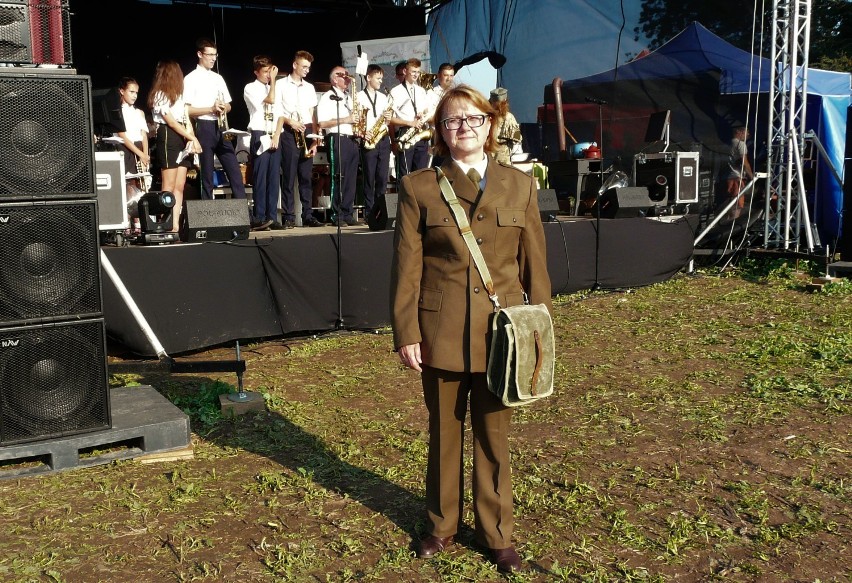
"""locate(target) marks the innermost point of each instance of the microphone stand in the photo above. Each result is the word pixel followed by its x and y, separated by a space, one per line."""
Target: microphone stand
pixel 336 203
pixel 600 103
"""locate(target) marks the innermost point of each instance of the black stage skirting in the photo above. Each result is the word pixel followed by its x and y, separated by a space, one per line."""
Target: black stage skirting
pixel 196 296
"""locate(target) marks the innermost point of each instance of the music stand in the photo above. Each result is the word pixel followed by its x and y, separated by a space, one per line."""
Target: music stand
pixel 658 128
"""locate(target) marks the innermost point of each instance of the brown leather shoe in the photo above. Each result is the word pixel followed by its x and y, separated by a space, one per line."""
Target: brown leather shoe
pixel 507 560
pixel 432 545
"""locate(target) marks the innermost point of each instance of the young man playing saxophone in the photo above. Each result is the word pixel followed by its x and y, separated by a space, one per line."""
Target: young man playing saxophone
pixel 411 112
pixel 297 99
pixel 376 147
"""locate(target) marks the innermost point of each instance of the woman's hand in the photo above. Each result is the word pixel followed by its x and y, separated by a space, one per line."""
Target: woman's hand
pixel 409 355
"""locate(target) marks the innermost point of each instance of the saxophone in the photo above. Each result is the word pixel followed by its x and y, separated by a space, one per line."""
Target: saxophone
pixel 359 128
pixel 379 129
pixel 414 135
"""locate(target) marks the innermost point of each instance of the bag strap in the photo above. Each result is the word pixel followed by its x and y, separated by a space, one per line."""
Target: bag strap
pixel 467 234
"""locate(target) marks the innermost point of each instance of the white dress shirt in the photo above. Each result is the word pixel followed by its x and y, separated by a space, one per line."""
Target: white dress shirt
pixel 202 87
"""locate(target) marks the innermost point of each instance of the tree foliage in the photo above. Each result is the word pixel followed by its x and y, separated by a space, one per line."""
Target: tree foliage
pixel 831 26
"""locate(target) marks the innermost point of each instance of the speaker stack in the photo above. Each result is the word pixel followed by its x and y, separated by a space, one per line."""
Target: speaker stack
pixel 53 372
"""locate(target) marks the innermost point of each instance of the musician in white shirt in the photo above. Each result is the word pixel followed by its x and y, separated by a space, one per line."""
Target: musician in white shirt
pixel 375 158
pixel 259 96
pixel 411 109
pixel 298 100
pixel 135 135
pixel 209 101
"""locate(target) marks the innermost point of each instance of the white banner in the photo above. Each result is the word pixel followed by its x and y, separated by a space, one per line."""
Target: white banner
pixel 386 53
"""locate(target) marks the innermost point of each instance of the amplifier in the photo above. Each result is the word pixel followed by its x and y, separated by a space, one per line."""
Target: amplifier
pixel 670 177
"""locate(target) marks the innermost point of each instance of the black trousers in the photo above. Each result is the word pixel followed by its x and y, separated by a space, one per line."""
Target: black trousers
pixel 343 167
pixel 213 142
pixel 375 168
pixel 295 165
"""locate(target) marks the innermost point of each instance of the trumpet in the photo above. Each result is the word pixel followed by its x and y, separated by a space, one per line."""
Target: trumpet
pixel 301 142
pixel 223 116
pixel 144 181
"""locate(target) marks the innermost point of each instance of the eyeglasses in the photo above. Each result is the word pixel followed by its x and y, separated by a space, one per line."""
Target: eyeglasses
pixel 339 74
pixel 473 121
pixel 210 54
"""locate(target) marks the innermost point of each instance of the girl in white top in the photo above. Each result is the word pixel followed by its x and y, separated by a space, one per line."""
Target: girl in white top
pixel 174 133
pixel 135 135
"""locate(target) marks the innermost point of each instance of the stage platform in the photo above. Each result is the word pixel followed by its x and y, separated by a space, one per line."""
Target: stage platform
pixel 279 283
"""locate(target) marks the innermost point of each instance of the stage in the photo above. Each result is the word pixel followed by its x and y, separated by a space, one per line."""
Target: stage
pixel 280 283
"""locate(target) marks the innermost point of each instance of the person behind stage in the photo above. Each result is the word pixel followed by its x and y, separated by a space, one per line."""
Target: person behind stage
pixel 375 160
pixel 259 96
pixel 739 170
pixel 135 135
pixel 446 77
pixel 209 102
pixel 174 132
pixel 508 130
pixel 337 114
pixel 411 109
pixel 297 100
pixel 441 314
pixel 399 72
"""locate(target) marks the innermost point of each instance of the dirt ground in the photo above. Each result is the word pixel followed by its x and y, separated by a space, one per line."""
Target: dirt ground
pixel 699 432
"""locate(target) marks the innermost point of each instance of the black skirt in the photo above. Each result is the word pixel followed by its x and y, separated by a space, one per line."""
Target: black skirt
pixel 169 145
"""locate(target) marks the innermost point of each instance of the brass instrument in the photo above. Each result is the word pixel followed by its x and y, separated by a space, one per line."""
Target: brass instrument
pixel 414 135
pixel 301 142
pixel 379 129
pixel 359 114
pixel 223 117
pixel 144 181
pixel 427 80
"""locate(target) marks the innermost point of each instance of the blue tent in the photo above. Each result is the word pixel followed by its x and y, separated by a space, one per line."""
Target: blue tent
pixel 709 85
pixel 530 42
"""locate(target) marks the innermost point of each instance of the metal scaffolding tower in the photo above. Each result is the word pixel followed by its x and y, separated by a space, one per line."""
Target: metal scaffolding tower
pixel 786 208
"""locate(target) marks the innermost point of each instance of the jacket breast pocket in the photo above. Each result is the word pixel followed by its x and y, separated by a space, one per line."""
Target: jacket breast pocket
pixel 510 222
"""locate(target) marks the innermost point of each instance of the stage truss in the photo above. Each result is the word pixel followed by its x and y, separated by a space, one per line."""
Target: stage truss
pixel 786 209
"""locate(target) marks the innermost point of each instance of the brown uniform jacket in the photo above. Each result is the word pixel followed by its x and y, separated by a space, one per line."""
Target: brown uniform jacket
pixel 437 295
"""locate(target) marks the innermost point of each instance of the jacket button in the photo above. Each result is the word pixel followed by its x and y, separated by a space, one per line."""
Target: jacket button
pixel 446 220
pixel 479 241
pixel 514 220
pixel 476 290
pixel 480 217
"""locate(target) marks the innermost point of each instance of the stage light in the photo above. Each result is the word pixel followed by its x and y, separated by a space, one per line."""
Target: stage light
pixel 156 218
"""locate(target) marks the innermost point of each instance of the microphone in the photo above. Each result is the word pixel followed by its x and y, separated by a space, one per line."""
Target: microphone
pixel 335 98
pixel 596 100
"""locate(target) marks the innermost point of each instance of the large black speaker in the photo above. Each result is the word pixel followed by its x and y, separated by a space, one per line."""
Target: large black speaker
pixel 217 220
pixel 46 145
pixel 50 262
pixel 383 214
pixel 53 380
pixel 53 373
pixel 617 203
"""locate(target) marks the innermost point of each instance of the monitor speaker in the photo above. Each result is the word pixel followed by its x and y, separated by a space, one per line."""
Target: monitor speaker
pixel 51 262
pixel 46 142
pixel 53 381
pixel 548 206
pixel 633 201
pixel 383 214
pixel 224 219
